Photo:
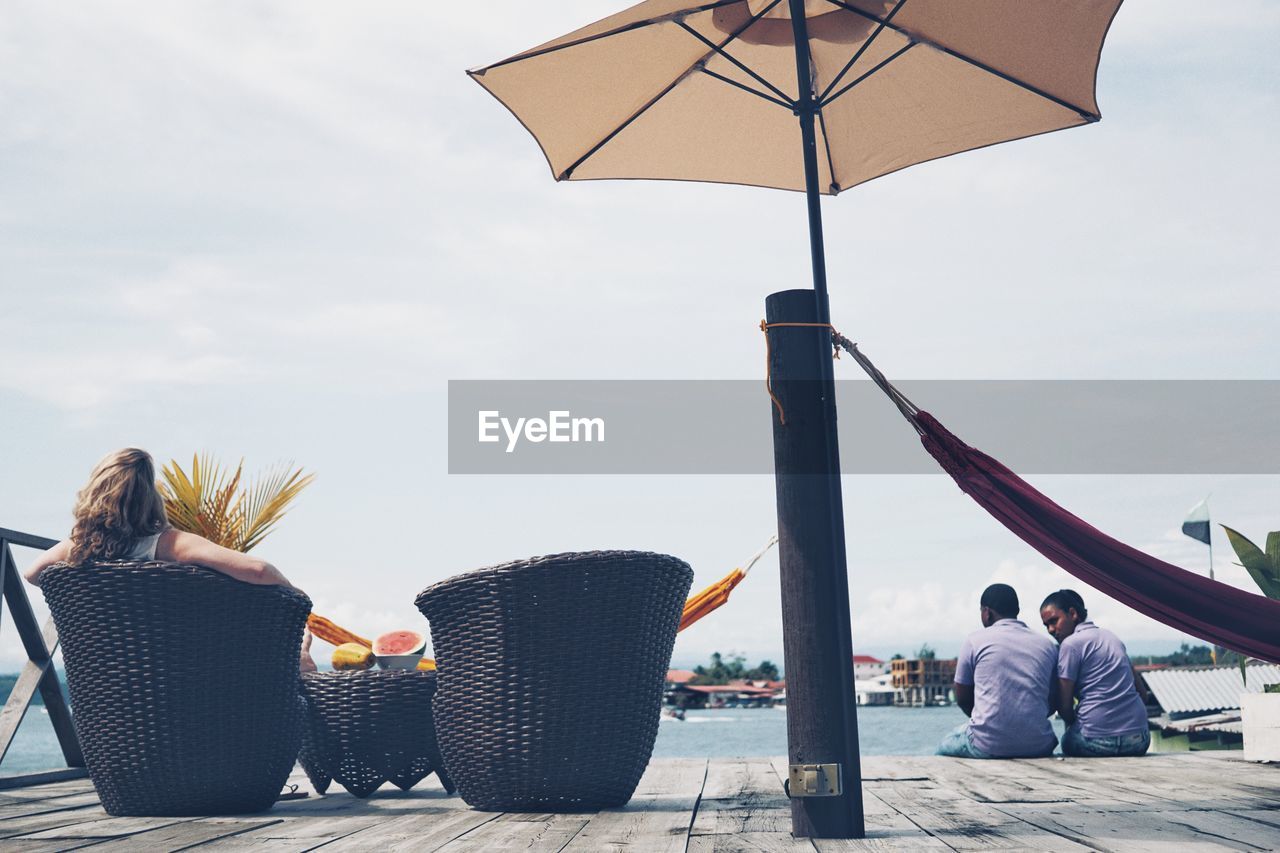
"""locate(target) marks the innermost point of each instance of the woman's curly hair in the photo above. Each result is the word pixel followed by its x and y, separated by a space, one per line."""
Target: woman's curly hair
pixel 119 505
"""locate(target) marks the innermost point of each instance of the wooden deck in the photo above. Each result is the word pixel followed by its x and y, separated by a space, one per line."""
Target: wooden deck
pixel 1190 802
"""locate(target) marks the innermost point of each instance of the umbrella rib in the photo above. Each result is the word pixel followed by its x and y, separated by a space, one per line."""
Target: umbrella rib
pixel 700 64
pixel 744 87
pixel 1008 78
pixel 720 50
pixel 865 45
pixel 635 25
pixel 882 64
pixel 831 166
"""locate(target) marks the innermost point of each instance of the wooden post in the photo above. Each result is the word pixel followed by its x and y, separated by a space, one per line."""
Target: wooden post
pixel 822 722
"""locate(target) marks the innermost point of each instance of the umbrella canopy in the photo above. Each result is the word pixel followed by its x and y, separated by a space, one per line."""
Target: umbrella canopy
pixel 678 90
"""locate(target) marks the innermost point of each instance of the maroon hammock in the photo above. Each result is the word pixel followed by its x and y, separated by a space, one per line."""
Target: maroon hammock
pixel 1204 608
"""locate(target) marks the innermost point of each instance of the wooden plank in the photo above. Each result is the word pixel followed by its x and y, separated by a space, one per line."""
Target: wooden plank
pixel 185 834
pixel 964 824
pixel 658 818
pixel 43 777
pixel 887 830
pixel 749 778
pixel 766 842
pixel 744 807
pixel 47 790
pixel 1266 817
pixel 1050 779
pixel 297 834
pixel 742 796
pixel 1150 831
pixel 545 833
pixel 989 781
pixel 415 832
pixel 1239 777
pixel 1126 778
pixel 27 824
pixel 27 540
pixel 21 808
pixel 1230 829
pixel 103 829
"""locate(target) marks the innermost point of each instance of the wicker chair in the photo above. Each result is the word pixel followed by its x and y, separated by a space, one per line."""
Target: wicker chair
pixel 551 676
pixel 184 684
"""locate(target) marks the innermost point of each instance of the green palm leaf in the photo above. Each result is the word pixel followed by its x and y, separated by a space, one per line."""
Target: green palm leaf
pixel 1264 568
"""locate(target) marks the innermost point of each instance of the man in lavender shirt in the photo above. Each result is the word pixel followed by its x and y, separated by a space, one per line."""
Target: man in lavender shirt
pixel 1093 666
pixel 1005 683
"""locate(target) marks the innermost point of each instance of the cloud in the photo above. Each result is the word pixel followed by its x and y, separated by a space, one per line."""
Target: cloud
pixel 216 216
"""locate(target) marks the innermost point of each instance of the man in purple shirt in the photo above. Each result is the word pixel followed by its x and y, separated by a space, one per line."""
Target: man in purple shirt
pixel 1005 683
pixel 1093 666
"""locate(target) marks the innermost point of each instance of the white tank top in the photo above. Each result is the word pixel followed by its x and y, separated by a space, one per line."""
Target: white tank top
pixel 143 549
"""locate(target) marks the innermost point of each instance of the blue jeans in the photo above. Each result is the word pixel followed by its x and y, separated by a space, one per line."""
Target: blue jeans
pixel 1076 744
pixel 959 744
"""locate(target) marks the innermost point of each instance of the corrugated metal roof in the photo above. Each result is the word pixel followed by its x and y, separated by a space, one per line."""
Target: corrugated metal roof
pixel 1197 690
pixel 1227 723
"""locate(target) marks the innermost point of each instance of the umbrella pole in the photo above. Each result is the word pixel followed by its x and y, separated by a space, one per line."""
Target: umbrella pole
pixel 822 722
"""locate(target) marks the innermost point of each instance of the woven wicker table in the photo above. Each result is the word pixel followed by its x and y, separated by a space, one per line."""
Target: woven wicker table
pixel 370 727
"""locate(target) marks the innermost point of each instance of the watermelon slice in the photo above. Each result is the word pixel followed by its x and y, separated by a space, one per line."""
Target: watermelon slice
pixel 400 643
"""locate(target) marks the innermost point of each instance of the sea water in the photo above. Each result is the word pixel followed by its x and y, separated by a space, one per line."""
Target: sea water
pixel 753 732
pixel 724 733
pixel 34 747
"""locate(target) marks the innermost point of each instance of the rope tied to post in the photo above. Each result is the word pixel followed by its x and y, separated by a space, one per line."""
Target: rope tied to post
pixel 838 342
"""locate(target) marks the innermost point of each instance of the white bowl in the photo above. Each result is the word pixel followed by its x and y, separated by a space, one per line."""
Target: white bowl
pixel 399 661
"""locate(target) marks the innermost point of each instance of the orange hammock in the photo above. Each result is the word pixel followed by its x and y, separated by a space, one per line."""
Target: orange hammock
pixel 718 593
pixel 695 608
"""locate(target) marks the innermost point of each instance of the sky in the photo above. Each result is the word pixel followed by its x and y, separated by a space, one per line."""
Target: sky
pixel 276 232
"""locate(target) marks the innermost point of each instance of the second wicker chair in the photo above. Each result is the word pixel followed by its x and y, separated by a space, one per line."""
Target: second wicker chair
pixel 551 676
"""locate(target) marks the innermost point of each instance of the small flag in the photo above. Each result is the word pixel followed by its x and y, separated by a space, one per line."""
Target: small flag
pixel 1197 523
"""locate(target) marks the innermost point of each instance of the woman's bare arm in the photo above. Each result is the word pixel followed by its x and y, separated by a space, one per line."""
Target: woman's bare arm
pixel 57 554
pixel 181 547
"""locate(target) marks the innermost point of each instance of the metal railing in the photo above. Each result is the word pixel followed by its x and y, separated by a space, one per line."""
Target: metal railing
pixel 38 674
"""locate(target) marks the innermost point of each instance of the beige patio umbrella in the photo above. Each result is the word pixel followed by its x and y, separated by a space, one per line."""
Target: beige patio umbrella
pixel 812 95
pixel 672 89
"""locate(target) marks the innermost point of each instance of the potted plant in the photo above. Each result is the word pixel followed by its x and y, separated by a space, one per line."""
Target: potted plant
pixel 1260 712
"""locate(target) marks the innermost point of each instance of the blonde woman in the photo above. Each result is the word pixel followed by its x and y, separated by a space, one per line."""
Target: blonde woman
pixel 119 515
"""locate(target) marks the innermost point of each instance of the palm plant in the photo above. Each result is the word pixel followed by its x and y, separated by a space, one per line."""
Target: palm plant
pixel 1263 567
pixel 212 501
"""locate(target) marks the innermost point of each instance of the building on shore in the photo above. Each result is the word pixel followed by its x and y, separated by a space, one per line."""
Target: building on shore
pixel 680 692
pixel 877 690
pixel 923 681
pixel 867 668
pixel 1194 708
